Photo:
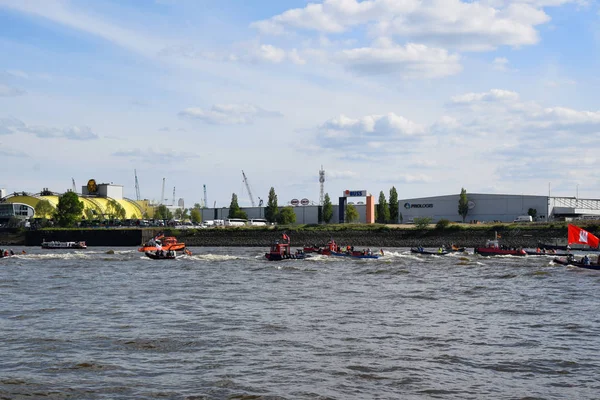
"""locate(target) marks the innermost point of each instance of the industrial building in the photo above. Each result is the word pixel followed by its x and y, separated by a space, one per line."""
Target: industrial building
pixel 498 207
pixel 98 199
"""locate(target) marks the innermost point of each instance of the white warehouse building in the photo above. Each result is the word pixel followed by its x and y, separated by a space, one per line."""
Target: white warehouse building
pixel 499 207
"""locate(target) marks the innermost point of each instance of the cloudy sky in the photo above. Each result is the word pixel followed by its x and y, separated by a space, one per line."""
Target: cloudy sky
pixel 496 96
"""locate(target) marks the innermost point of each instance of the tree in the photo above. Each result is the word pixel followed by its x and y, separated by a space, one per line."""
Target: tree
pixel 69 209
pixel 351 214
pixel 463 204
pixel 532 212
pixel 271 211
pixel 234 209
pixel 327 209
pixel 383 211
pixel 162 212
pixel 89 214
pixel 394 211
pixel 422 222
pixel 43 209
pixel 195 215
pixel 287 216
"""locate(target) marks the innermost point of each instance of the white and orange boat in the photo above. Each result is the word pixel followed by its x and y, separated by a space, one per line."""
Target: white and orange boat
pixel 162 242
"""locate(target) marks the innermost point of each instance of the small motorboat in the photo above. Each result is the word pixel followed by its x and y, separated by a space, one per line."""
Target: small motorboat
pixel 162 255
pixel 280 250
pixel 55 244
pixel 161 242
pixel 575 263
pixel 420 250
pixel 493 248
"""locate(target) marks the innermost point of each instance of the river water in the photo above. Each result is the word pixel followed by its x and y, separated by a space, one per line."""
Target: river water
pixel 225 323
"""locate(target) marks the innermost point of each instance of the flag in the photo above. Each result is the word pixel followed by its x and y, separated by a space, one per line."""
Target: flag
pixel 285 238
pixel 581 236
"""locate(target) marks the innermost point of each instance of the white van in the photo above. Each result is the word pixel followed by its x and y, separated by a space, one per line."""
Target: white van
pixel 258 222
pixel 523 218
pixel 235 222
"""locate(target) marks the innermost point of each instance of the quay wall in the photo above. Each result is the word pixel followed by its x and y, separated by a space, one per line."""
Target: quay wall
pixel 377 238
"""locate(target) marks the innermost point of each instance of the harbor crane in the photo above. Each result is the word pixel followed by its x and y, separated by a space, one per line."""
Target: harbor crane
pixel 137 186
pixel 74 186
pixel 248 188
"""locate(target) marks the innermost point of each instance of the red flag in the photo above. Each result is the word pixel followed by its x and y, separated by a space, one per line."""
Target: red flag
pixel 286 238
pixel 581 236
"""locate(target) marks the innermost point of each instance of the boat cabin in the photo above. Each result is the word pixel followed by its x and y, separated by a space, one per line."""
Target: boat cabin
pixel 282 249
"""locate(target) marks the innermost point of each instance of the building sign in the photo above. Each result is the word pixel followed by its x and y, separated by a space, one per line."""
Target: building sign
pixel 294 202
pixel 408 206
pixel 355 193
pixel 304 202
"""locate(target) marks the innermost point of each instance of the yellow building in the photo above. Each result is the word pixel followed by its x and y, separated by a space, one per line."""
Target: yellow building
pixel 97 200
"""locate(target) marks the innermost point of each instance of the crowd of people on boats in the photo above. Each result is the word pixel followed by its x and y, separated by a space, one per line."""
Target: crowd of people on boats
pixel 8 253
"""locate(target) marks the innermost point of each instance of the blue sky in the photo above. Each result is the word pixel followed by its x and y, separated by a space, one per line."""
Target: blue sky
pixel 429 96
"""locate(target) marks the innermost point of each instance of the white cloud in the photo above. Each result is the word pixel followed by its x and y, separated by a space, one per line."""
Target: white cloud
pixel 9 91
pixel 228 114
pixel 411 60
pixel 493 95
pixel 453 23
pixel 500 64
pixel 414 178
pixel 340 175
pixel 12 126
pixel 153 156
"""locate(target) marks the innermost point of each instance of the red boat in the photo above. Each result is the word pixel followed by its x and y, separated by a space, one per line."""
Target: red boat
pixel 161 242
pixel 493 248
pixel 280 250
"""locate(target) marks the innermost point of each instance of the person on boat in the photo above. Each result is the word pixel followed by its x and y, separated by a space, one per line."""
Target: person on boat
pixel 570 257
pixel 586 260
pixel 5 253
pixel 369 252
pixel 441 250
pixel 1 253
pixel 12 253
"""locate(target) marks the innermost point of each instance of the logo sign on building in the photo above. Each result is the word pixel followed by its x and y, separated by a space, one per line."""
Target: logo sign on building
pixel 304 202
pixel 408 206
pixel 294 202
pixel 355 193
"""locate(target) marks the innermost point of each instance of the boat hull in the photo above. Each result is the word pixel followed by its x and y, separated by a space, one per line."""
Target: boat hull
pixel 279 257
pixel 491 251
pixel 564 261
pixel 155 256
pixel 355 254
pixel 430 253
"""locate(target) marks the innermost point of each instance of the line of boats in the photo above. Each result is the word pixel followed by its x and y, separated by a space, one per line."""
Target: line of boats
pixel 163 247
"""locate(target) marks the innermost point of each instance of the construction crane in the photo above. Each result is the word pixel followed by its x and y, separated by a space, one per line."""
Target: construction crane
pixel 248 188
pixel 173 200
pixel 137 186
pixel 205 198
pixel 162 194
pixel 74 187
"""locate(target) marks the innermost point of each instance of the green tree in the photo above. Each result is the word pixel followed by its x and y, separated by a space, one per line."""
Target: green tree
pixel 532 212
pixel 272 210
pixel 195 215
pixel 393 204
pixel 162 212
pixel 422 222
pixel 327 209
pixel 89 214
pixel 177 214
pixel 234 208
pixel 43 209
pixel 463 204
pixel 351 214
pixel 68 210
pixel 382 211
pixel 287 216
pixel 198 206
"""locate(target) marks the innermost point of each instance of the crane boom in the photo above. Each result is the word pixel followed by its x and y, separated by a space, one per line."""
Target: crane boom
pixel 137 186
pixel 74 187
pixel 248 188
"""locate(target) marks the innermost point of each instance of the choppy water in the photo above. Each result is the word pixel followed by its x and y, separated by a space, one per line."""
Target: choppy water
pixel 227 324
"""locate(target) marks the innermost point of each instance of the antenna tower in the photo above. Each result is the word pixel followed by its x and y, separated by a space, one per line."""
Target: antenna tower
pixel 162 194
pixel 205 198
pixel 74 187
pixel 248 188
pixel 322 183
pixel 137 186
pixel 173 199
